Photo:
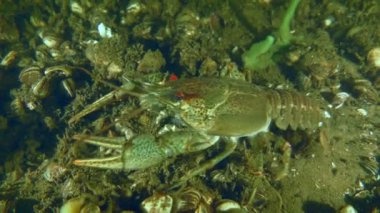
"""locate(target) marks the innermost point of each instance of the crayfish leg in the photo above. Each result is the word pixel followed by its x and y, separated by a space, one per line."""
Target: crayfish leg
pixel 230 147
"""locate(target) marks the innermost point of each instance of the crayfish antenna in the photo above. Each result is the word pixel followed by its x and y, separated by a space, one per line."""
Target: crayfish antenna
pixel 118 93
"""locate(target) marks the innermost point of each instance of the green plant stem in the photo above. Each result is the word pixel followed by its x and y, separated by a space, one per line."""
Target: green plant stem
pixel 259 55
pixel 253 58
pixel 284 35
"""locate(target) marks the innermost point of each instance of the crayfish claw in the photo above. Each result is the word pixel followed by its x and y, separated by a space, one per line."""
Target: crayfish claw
pixel 106 142
pixel 114 162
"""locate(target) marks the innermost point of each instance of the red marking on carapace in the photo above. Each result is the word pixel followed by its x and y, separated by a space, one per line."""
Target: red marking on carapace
pixel 173 77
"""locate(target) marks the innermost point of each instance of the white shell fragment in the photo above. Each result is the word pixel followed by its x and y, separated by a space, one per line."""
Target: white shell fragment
pixel 53 172
pixel 326 114
pixel 73 205
pixel 8 58
pixel 373 57
pixel 50 41
pixel 76 8
pixel 341 98
pixel 348 209
pixel 78 205
pixel 158 203
pixel 228 206
pixel 134 8
pixel 104 31
pixel 362 112
pixel 327 22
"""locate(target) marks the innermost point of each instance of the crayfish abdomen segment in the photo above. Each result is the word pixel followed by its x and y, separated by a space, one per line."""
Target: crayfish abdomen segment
pixel 293 109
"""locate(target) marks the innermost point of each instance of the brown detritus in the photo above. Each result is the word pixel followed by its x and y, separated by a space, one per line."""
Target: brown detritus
pixel 151 62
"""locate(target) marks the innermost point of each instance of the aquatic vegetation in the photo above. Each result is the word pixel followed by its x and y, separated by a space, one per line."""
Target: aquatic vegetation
pixel 259 55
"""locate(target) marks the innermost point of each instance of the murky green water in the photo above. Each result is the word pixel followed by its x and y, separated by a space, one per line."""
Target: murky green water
pixel 59 57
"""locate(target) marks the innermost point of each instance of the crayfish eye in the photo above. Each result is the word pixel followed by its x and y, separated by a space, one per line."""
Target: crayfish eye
pixel 179 95
pixel 185 96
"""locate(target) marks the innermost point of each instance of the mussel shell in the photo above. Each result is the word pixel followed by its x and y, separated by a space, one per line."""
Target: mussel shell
pixel 30 75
